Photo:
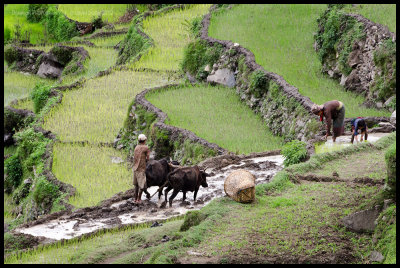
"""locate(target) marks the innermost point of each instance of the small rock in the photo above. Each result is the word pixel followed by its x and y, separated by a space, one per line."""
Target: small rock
pixel 376 256
pixel 165 238
pixel 116 160
pixel 155 224
pixel 193 253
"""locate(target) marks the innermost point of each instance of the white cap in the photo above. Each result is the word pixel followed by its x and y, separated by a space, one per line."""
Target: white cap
pixel 142 137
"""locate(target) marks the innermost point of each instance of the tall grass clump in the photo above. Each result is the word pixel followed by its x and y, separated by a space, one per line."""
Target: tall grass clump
pixel 281 38
pixel 294 152
pixel 36 12
pixel 133 45
pixel 39 96
pixel 58 26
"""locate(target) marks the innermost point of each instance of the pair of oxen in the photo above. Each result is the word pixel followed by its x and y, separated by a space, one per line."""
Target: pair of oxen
pixel 163 173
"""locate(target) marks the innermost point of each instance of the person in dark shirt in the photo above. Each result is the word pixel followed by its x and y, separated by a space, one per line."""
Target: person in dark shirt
pixel 333 111
pixel 358 125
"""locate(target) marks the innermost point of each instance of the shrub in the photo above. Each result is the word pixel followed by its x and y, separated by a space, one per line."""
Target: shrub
pixel 62 54
pixel 390 158
pixel 385 60
pixel 13 169
pixel 58 26
pixel 45 192
pixel 294 152
pixel 97 22
pixel 133 45
pixel 197 55
pixel 7 35
pixel 39 96
pixel 31 148
pixel 12 54
pixel 36 12
pixel 259 83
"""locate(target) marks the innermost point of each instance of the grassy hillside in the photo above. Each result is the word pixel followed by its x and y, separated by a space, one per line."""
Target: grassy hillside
pixel 281 38
pixel 217 115
pixel 384 14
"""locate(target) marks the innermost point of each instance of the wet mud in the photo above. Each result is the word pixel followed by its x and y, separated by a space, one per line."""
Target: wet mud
pixel 120 210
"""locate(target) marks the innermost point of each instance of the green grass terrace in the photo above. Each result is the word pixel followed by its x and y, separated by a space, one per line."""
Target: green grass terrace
pixel 281 38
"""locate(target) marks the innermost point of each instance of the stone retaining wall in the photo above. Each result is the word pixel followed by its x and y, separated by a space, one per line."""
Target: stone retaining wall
pixel 279 118
pixel 364 72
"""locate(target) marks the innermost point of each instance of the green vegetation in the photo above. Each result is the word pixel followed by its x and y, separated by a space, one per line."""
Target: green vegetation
pixel 13 169
pixel 96 111
pixel 197 55
pixel 217 115
pixel 385 234
pixel 169 37
pixel 17 27
pixel 390 158
pixel 287 49
pixel 384 14
pixel 39 96
pixel 86 12
pixel 36 12
pixel 133 45
pixel 91 171
pixel 58 26
pixel 294 152
pixel 385 60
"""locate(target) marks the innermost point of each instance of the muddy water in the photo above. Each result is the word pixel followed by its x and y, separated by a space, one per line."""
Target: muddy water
pixel 125 212
pixel 344 141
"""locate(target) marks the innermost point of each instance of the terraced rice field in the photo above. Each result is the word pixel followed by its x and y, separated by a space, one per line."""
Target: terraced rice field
pixel 95 113
pixel 170 38
pixel 285 47
pixel 217 115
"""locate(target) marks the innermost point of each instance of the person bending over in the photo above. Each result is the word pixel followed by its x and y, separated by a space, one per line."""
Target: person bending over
pixel 333 111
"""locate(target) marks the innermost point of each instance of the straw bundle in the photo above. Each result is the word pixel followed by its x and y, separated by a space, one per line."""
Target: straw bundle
pixel 240 186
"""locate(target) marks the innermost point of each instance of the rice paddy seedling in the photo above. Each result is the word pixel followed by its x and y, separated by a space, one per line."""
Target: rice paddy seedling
pixel 107 41
pixel 217 115
pixel 91 171
pixel 85 12
pixel 281 38
pixel 170 38
pixel 96 111
pixel 19 85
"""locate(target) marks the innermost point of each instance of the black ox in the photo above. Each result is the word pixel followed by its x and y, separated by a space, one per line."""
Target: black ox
pixel 184 179
pixel 156 174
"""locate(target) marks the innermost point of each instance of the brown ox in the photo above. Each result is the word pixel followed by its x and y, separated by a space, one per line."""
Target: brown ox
pixel 184 179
